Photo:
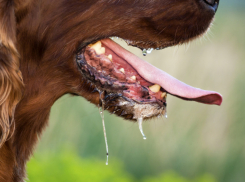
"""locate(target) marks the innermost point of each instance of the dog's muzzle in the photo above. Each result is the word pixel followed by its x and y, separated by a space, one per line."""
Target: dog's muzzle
pixel 213 3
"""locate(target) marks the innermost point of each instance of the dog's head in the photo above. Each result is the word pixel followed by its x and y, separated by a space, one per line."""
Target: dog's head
pixel 64 47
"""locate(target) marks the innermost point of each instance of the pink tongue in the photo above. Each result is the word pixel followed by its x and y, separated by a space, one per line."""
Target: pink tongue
pixel 166 81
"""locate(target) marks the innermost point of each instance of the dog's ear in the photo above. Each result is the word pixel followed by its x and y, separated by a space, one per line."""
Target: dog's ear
pixel 10 76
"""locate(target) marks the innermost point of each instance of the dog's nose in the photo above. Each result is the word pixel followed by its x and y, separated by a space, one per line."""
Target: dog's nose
pixel 213 3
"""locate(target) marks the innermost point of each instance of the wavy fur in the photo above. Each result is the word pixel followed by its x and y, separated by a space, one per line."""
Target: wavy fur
pixel 10 76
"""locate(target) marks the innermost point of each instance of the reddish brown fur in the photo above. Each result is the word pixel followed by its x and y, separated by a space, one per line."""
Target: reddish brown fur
pixel 44 36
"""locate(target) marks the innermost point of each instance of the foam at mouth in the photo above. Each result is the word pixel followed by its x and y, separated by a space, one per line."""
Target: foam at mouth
pixel 166 81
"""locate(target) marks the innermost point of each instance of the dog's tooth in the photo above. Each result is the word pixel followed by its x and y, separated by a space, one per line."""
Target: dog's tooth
pixel 122 70
pixel 133 78
pixel 155 88
pixel 102 50
pixel 110 57
pixel 97 47
pixel 164 94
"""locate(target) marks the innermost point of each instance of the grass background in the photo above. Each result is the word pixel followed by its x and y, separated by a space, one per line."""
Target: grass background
pixel 197 143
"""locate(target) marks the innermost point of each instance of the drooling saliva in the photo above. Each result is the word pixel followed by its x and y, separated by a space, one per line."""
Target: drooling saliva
pixel 144 52
pixel 147 51
pixel 101 110
pixel 140 121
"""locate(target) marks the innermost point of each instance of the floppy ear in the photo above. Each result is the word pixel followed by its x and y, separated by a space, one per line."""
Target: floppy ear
pixel 10 76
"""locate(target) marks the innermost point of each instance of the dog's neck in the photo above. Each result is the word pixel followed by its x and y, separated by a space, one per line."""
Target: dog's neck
pixel 31 117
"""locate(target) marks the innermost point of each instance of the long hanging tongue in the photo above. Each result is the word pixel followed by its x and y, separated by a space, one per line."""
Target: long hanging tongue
pixel 166 81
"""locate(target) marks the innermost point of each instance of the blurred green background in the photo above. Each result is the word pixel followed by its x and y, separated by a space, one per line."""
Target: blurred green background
pixel 197 143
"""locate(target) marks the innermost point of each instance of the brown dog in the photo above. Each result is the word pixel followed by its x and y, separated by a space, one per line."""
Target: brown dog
pixel 63 46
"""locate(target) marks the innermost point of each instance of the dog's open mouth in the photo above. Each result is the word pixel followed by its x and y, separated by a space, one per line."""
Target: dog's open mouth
pixel 131 87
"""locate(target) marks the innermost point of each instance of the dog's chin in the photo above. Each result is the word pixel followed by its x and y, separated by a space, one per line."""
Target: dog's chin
pixel 130 87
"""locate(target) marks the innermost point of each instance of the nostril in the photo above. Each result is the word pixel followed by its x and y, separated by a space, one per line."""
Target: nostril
pixel 210 2
pixel 213 3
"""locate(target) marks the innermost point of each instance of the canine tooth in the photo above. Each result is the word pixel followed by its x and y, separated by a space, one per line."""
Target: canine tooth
pixel 110 57
pixel 122 70
pixel 102 50
pixel 133 77
pixel 163 94
pixel 97 47
pixel 155 88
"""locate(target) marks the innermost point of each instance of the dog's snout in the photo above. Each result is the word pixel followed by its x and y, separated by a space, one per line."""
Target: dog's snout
pixel 213 3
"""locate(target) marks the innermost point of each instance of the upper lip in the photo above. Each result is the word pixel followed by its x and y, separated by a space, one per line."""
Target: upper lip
pixel 142 45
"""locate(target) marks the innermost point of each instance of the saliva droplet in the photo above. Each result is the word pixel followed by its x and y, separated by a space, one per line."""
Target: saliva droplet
pixel 166 115
pixel 101 109
pixel 140 121
pixel 149 50
pixel 107 158
pixel 144 52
